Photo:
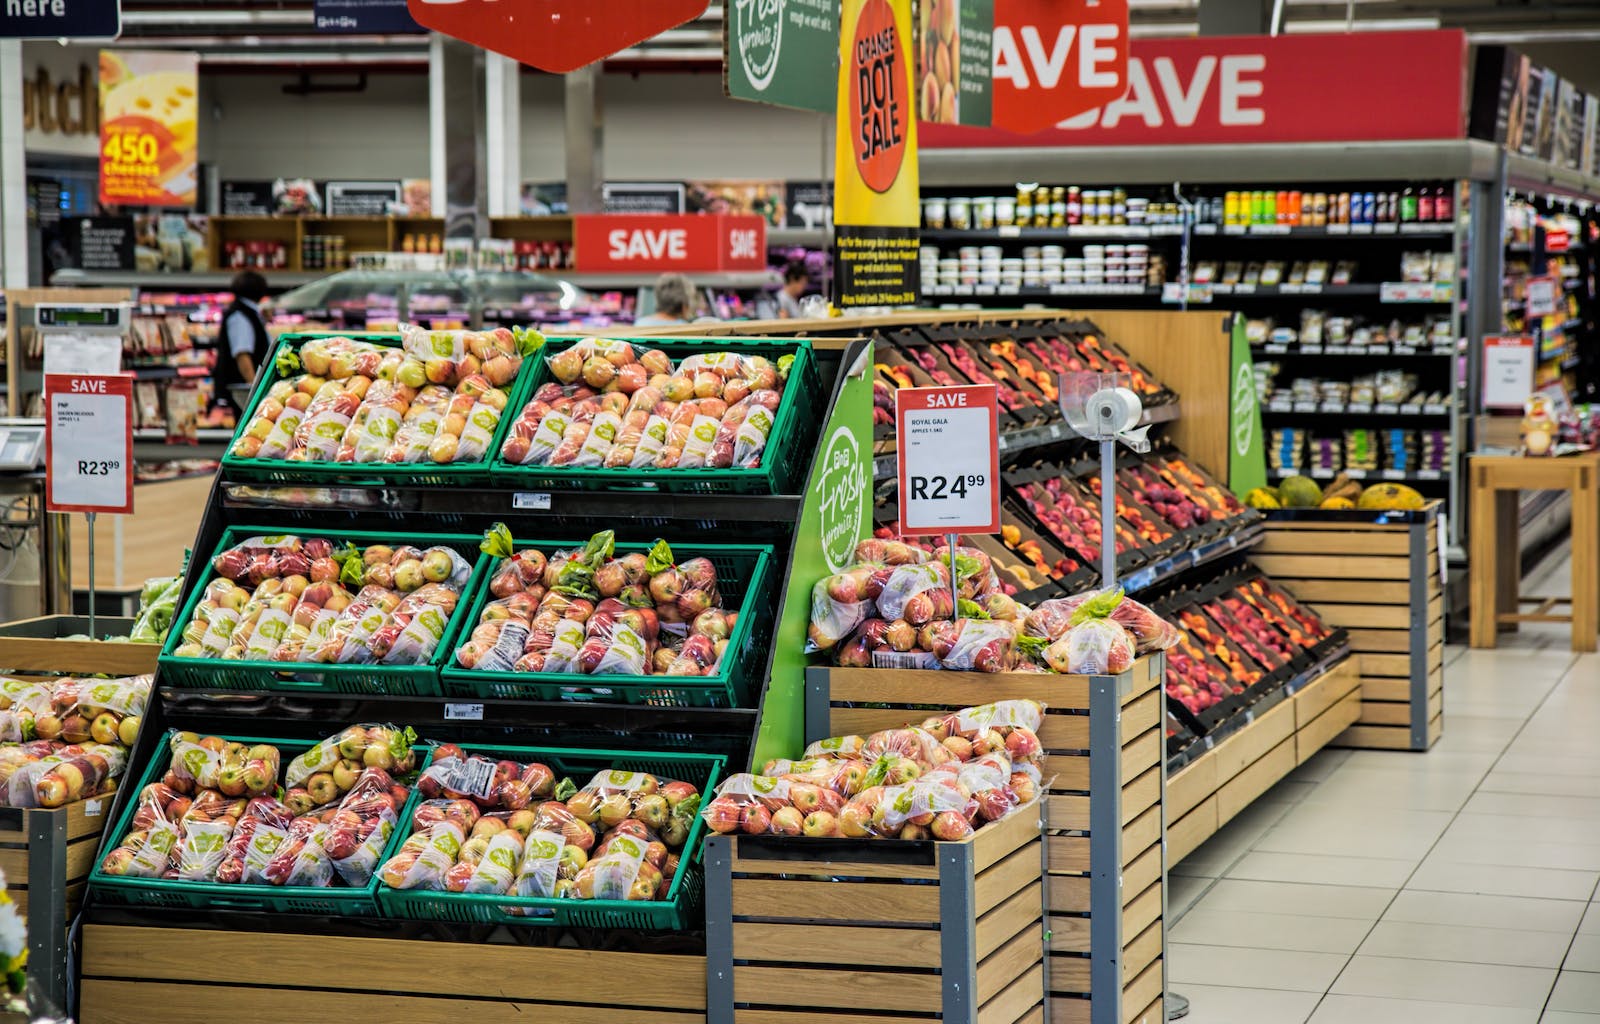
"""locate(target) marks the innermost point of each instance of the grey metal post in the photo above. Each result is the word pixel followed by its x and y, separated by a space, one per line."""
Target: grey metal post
pixel 719 930
pixel 585 138
pixel 817 703
pixel 466 152
pixel 1486 258
pixel 47 912
pixel 1105 850
pixel 1043 803
pixel 1418 535
pixel 958 924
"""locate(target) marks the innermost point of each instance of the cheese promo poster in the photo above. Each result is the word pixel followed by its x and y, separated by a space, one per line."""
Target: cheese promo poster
pixel 149 113
pixel 876 209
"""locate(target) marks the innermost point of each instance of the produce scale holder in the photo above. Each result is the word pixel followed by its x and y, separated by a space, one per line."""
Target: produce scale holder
pixel 683 898
pixel 784 460
pixel 316 677
pixel 283 471
pixel 745 578
pixel 125 890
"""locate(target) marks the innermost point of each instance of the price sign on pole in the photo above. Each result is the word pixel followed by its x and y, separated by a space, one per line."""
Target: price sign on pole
pixel 949 460
pixel 88 438
pixel 1542 295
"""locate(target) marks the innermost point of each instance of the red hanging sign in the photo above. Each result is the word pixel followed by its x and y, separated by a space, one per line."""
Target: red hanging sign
pixel 648 242
pixel 1057 58
pixel 1245 89
pixel 554 35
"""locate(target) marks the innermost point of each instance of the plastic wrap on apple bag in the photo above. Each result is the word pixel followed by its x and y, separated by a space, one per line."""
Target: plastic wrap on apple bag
pixel 840 604
pixel 618 640
pixel 611 797
pixel 414 629
pixel 72 774
pixel 263 420
pixel 23 701
pixel 208 632
pixel 681 591
pixel 319 607
pixel 371 433
pixel 269 557
pixel 917 593
pixel 203 848
pixel 751 431
pixel 487 864
pixel 419 426
pixel 583 361
pixel 14 756
pixel 546 437
pixel 622 873
pixel 516 571
pixel 1011 726
pixel 971 645
pixel 477 432
pixel 373 745
pixel 1092 647
pixel 490 784
pixel 335 358
pixel 228 766
pixel 362 825
pixel 746 803
pixel 545 864
pixel 302 859
pixel 319 435
pixel 146 850
pixel 888 551
pixel 1051 619
pixel 265 439
pixel 919 809
pixel 631 429
pixel 261 830
pixel 422 861
pixel 158 605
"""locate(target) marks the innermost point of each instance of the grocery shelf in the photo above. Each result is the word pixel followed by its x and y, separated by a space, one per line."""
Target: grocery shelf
pixel 738 280
pixel 1175 565
pixel 1361 351
pixel 1282 408
pixel 69 278
pixel 1082 291
pixel 1395 475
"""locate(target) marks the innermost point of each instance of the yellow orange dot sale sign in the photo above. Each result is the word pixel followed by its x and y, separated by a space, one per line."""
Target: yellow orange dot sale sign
pixel 149 105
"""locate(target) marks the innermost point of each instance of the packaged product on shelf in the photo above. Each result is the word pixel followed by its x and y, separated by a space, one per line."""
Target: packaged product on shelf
pixel 388 747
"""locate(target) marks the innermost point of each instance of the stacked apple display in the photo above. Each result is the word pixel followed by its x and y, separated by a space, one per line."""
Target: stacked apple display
pixel 939 780
pixel 67 739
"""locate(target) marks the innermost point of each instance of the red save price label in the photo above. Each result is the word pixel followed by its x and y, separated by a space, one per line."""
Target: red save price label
pixel 648 242
pixel 1054 59
pixel 88 443
pixel 948 459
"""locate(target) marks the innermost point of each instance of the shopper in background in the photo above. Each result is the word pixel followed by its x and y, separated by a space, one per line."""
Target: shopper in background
pixel 796 279
pixel 243 344
pixel 675 302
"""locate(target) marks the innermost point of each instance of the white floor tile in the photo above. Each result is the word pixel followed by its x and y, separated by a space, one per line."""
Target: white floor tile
pixel 1320 869
pixel 1467 910
pixel 1467 945
pixel 1243 967
pixel 1578 991
pixel 1539 783
pixel 1206 927
pixel 1373 1010
pixel 1517 852
pixel 1216 1004
pixel 1534 805
pixel 1568 1017
pixel 1495 879
pixel 1591 921
pixel 1362 903
pixel 1440 981
pixel 1584 954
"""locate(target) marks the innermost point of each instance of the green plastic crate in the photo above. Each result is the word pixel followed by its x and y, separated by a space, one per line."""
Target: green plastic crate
pixel 332 901
pixel 783 462
pixel 290 677
pixel 370 473
pixel 745 578
pixel 673 913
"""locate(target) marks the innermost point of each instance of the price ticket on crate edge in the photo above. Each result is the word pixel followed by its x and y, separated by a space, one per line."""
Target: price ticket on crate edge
pixel 88 440
pixel 948 459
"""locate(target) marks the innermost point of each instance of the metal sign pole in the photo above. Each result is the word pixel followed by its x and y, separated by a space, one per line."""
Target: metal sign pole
pixel 90 516
pixel 950 541
pixel 1108 514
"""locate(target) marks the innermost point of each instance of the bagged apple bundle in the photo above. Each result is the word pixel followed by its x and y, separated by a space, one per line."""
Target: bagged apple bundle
pixel 422 861
pixel 371 432
pixel 14 756
pixel 888 551
pixel 230 767
pixel 334 358
pixel 21 703
pixel 302 859
pixel 319 435
pixel 361 826
pixel 102 710
pixel 489 783
pixel 72 773
pixel 618 640
pixel 1007 725
pixel 256 838
pixel 414 629
pixel 623 872
pixel 761 804
pixel 263 558
pixel 208 633
pixel 318 608
pixel 276 417
pixel 332 767
pixel 1051 619
pixel 612 797
pixel 1092 641
pixel 449 356
pixel 147 850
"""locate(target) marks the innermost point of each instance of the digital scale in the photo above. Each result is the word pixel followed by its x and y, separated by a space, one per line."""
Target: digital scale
pixel 21 444
pixel 81 337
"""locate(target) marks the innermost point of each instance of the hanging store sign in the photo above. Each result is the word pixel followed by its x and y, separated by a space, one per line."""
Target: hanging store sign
pixel 955 58
pixel 149 102
pixel 780 52
pixel 1054 59
pixel 875 205
pixel 1508 362
pixel 60 19
pixel 647 243
pixel 1251 89
pixel 88 443
pixel 555 35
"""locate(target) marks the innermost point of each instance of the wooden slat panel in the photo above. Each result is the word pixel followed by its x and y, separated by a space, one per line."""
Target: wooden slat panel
pixel 1140 952
pixel 995 841
pixel 1021 1002
pixel 1151 1014
pixel 954 689
pixel 1385 664
pixel 749 1016
pixel 1144 869
pixel 1373 591
pixel 1246 746
pixel 999 924
pixel 1138 914
pixel 1068 853
pixel 1006 878
pixel 1333 567
pixel 1144 830
pixel 834 901
pixel 512 972
pixel 1380 641
pixel 1320 733
pixel 1321 694
pixel 1069 812
pixel 1140 992
pixel 1189 831
pixel 1069 1010
pixel 848 989
pixel 1375 690
pixel 1140 794
pixel 1070 973
pixel 1375 737
pixel 861 867
pixel 1353 542
pixel 1066 772
pixel 836 944
pixel 1237 794
pixel 1069 934
pixel 1141 754
pixel 1192 784
pixel 1011 961
pixel 136 1002
pixel 1140 714
pixel 1065 732
pixel 1069 894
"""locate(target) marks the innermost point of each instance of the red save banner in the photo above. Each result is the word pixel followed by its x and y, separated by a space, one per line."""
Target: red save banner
pixel 1303 88
pixel 1057 58
pixel 647 242
pixel 554 35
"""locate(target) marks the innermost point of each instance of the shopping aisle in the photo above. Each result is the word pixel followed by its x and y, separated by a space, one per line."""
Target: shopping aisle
pixel 1395 888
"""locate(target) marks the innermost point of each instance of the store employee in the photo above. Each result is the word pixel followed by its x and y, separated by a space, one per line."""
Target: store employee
pixel 244 342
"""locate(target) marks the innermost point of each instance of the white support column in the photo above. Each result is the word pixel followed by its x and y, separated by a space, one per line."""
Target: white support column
pixel 13 171
pixel 436 141
pixel 503 97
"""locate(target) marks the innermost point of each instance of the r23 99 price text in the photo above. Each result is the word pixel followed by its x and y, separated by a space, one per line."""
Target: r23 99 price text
pixel 938 488
pixel 97 467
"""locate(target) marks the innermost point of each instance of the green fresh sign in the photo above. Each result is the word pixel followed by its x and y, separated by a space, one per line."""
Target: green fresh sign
pixel 782 52
pixel 1247 460
pixel 837 514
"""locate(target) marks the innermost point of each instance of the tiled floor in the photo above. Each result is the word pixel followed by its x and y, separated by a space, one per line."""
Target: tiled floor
pixel 1456 886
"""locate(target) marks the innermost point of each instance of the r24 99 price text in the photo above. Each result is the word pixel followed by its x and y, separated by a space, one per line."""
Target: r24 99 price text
pixel 938 488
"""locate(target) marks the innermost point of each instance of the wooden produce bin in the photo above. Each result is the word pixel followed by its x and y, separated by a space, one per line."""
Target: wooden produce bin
pixel 47 855
pixel 1376 574
pixel 798 926
pixel 1103 815
pixel 44 645
pixel 1280 733
pixel 134 974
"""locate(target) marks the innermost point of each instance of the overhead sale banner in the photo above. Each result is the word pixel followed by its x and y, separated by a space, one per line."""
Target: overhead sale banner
pixel 955 44
pixel 875 205
pixel 148 127
pixel 779 52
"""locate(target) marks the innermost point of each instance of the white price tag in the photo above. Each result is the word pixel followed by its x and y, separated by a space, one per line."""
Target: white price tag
pixel 531 501
pixel 93 808
pixel 89 443
pixel 463 712
pixel 949 463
